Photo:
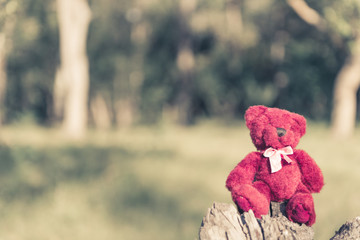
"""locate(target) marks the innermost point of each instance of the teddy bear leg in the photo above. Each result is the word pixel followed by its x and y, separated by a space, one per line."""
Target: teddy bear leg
pixel 255 197
pixel 300 209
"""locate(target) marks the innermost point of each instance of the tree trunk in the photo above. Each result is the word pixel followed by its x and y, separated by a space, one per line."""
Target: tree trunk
pixel 223 222
pixel 3 78
pixel 185 63
pixel 74 19
pixel 59 95
pixel 7 23
pixel 234 24
pixel 127 87
pixel 347 82
pixel 346 86
pixel 124 113
pixel 100 112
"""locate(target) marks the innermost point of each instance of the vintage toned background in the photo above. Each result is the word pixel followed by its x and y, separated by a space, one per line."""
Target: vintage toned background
pixel 122 119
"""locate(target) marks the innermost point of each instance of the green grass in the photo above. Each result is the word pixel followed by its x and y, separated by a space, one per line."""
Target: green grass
pixel 147 183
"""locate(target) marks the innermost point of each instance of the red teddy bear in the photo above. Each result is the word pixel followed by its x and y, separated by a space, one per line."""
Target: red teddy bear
pixel 277 171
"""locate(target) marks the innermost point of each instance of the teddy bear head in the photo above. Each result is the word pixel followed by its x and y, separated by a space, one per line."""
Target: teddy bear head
pixel 274 127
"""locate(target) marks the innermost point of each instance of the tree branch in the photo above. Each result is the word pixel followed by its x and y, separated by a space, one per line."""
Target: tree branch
pixel 309 15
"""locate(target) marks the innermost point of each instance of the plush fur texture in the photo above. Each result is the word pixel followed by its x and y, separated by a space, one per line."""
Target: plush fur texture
pixel 251 183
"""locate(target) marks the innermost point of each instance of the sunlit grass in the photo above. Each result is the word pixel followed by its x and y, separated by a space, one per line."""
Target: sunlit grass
pixel 147 183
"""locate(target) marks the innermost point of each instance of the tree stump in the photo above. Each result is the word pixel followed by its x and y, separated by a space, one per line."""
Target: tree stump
pixel 223 222
pixel 349 230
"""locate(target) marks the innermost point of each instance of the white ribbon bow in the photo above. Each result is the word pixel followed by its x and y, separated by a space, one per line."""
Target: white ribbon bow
pixel 276 155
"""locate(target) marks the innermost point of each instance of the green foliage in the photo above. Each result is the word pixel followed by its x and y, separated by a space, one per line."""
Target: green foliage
pixel 271 57
pixel 344 17
pixel 32 62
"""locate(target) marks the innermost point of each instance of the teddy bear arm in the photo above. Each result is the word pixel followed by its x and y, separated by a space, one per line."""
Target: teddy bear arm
pixel 244 172
pixel 312 176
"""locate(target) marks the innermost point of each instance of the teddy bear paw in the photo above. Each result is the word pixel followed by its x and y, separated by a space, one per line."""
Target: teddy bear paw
pixel 248 197
pixel 243 204
pixel 299 214
pixel 300 209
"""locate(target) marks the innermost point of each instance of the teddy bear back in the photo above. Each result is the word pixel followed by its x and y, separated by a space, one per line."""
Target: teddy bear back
pixel 274 127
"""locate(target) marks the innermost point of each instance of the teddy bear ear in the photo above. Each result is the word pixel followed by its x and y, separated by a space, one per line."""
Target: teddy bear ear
pixel 252 113
pixel 300 123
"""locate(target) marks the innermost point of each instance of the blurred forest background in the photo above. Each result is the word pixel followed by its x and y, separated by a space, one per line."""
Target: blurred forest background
pixel 106 106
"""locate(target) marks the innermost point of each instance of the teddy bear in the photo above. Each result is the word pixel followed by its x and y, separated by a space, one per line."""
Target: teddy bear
pixel 277 171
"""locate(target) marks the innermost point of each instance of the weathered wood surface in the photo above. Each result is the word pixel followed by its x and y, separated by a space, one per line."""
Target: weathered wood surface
pixel 349 231
pixel 223 222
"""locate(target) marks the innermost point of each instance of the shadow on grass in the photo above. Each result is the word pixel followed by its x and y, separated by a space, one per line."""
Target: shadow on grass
pixel 26 173
pixel 130 196
pixel 147 206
